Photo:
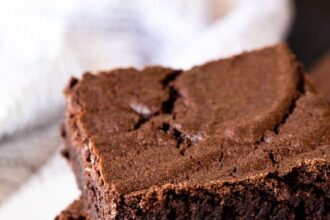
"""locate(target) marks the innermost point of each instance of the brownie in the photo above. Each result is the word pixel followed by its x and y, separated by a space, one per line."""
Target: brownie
pixel 240 138
pixel 74 212
pixel 320 76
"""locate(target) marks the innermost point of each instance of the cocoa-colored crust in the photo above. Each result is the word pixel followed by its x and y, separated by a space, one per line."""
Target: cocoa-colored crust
pixel 320 76
pixel 237 138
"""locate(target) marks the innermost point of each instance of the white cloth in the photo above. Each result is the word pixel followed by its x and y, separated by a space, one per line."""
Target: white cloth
pixel 44 42
pixel 44 195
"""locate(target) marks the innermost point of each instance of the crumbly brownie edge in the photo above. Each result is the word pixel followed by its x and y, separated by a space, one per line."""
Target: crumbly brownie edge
pixel 301 191
pixel 91 193
pixel 74 212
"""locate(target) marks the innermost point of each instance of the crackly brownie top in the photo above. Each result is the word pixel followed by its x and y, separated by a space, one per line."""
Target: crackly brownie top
pixel 321 76
pixel 224 120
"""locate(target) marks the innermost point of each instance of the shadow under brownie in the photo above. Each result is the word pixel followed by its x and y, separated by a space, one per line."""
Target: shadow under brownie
pixel 243 137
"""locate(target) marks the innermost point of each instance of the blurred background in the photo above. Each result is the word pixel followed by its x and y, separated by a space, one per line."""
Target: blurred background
pixel 45 42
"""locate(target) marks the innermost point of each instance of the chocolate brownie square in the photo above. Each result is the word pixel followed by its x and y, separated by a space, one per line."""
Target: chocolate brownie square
pixel 240 138
pixel 320 76
pixel 74 211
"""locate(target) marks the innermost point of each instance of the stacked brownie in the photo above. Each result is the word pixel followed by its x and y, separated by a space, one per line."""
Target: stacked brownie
pixel 320 75
pixel 74 212
pixel 239 138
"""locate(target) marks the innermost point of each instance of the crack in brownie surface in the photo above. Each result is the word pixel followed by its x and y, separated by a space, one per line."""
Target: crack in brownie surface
pixel 229 121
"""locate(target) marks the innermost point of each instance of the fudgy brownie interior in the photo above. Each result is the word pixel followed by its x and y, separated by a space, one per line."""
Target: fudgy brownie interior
pixel 243 137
